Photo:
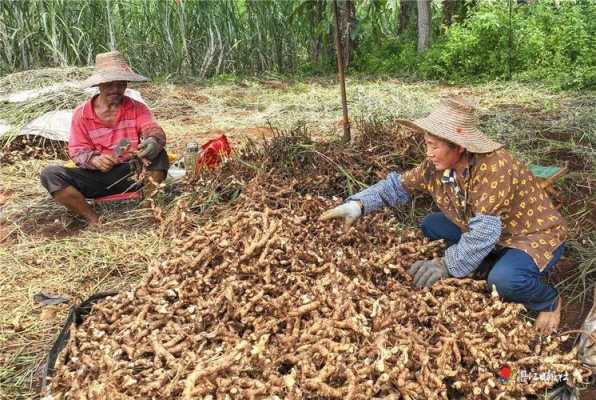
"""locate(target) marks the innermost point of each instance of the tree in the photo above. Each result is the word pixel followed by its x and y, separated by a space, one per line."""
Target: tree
pixel 405 10
pixel 424 25
pixel 314 12
pixel 347 23
pixel 449 10
pixel 456 10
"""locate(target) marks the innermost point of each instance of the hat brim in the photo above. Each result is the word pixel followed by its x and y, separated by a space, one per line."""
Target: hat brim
pixel 111 76
pixel 482 145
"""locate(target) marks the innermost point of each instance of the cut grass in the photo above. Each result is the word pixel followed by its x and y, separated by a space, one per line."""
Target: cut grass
pixel 538 126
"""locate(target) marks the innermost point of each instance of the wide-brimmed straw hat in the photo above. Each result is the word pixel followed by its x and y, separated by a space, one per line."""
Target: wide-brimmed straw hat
pixel 110 67
pixel 454 121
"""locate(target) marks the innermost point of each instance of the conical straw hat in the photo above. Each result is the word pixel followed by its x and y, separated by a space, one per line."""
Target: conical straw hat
pixel 454 121
pixel 110 67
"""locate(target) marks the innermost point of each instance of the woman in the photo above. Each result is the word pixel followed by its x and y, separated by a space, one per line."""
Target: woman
pixel 490 204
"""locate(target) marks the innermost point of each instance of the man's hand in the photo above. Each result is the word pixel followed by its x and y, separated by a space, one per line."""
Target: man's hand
pixel 426 273
pixel 104 162
pixel 349 211
pixel 148 149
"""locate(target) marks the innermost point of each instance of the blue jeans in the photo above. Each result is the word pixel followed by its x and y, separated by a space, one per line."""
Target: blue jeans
pixel 514 274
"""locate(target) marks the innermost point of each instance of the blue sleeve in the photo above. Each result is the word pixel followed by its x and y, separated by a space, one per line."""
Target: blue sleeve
pixel 466 255
pixel 387 192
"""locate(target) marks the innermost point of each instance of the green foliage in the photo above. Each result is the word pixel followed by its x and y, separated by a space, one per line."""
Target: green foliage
pixel 548 43
pixel 167 37
pixel 201 38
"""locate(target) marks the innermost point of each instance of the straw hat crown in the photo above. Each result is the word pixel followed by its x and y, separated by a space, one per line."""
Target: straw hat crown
pixel 110 67
pixel 454 121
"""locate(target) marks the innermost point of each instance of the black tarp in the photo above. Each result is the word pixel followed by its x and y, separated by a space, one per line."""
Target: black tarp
pixel 76 315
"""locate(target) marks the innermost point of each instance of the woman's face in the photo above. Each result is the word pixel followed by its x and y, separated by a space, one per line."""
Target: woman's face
pixel 441 153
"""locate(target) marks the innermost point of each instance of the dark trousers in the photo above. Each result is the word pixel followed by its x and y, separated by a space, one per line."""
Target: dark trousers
pixel 93 183
pixel 514 273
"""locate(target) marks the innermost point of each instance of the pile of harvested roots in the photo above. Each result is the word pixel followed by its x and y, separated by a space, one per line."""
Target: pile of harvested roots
pixel 269 302
pixel 27 147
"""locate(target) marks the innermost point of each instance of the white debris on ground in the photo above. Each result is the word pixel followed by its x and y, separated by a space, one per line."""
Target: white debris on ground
pixel 54 125
pixel 28 95
pixel 4 127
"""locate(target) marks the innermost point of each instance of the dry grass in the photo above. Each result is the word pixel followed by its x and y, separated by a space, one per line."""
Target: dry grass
pixel 37 253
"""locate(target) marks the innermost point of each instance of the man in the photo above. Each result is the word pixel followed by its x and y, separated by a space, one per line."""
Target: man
pixel 490 205
pixel 98 126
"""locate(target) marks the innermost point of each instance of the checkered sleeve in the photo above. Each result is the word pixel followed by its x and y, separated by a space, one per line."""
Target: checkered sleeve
pixel 387 192
pixel 465 256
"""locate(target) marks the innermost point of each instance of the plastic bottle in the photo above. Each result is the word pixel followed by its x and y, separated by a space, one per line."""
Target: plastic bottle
pixel 191 155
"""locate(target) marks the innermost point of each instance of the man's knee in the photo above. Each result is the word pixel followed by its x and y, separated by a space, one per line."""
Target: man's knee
pixel 160 163
pixel 53 178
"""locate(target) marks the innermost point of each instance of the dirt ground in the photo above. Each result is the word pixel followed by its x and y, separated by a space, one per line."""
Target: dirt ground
pixel 44 249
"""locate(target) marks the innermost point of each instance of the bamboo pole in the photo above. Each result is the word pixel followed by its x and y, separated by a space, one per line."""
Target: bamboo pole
pixel 342 78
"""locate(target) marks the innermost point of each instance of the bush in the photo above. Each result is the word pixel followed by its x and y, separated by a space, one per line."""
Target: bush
pixel 549 44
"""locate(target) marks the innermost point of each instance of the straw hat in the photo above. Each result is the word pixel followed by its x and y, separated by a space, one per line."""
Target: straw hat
pixel 110 67
pixel 454 121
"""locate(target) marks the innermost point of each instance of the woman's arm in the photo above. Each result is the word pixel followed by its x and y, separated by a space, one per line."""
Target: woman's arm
pixel 466 255
pixel 387 192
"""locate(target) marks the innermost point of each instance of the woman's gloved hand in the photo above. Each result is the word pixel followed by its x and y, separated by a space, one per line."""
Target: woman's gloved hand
pixel 350 211
pixel 427 272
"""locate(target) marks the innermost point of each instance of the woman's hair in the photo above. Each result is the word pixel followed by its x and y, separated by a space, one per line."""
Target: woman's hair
pixel 450 144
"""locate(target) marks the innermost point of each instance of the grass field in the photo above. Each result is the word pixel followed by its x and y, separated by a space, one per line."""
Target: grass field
pixel 43 248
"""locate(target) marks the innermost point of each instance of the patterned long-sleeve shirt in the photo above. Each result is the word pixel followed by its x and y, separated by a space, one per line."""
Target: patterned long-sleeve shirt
pixel 498 203
pixel 90 136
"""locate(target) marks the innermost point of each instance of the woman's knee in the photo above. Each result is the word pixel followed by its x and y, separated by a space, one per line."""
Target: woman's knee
pixel 437 226
pixel 500 281
pixel 510 283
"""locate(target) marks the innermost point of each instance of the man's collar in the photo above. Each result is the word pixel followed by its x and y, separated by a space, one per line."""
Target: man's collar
pixel 88 112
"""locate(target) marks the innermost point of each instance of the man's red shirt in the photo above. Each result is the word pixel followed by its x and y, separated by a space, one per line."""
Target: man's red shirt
pixel 90 136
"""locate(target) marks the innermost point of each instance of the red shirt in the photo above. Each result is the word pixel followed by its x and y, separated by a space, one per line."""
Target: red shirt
pixel 89 136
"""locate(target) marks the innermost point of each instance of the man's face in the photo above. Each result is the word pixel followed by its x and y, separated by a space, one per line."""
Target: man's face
pixel 113 91
pixel 441 153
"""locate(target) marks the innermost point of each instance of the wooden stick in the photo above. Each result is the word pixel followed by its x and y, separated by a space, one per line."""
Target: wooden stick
pixel 342 79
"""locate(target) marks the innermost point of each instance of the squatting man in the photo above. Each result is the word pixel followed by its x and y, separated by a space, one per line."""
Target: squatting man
pixel 494 215
pixel 98 126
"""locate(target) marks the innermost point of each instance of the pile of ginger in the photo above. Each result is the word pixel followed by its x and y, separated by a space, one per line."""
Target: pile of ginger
pixel 268 302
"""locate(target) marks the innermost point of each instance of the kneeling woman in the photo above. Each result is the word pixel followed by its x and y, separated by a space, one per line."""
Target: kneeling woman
pixel 490 205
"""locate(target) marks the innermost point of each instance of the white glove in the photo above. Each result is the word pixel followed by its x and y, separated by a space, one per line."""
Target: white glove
pixel 349 211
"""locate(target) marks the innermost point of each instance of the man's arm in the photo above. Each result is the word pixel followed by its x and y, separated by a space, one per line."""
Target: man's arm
pixel 80 146
pixel 149 128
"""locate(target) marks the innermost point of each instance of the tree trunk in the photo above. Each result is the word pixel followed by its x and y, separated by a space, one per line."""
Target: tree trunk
pixel 424 22
pixel 347 22
pixel 405 9
pixel 449 10
pixel 317 15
